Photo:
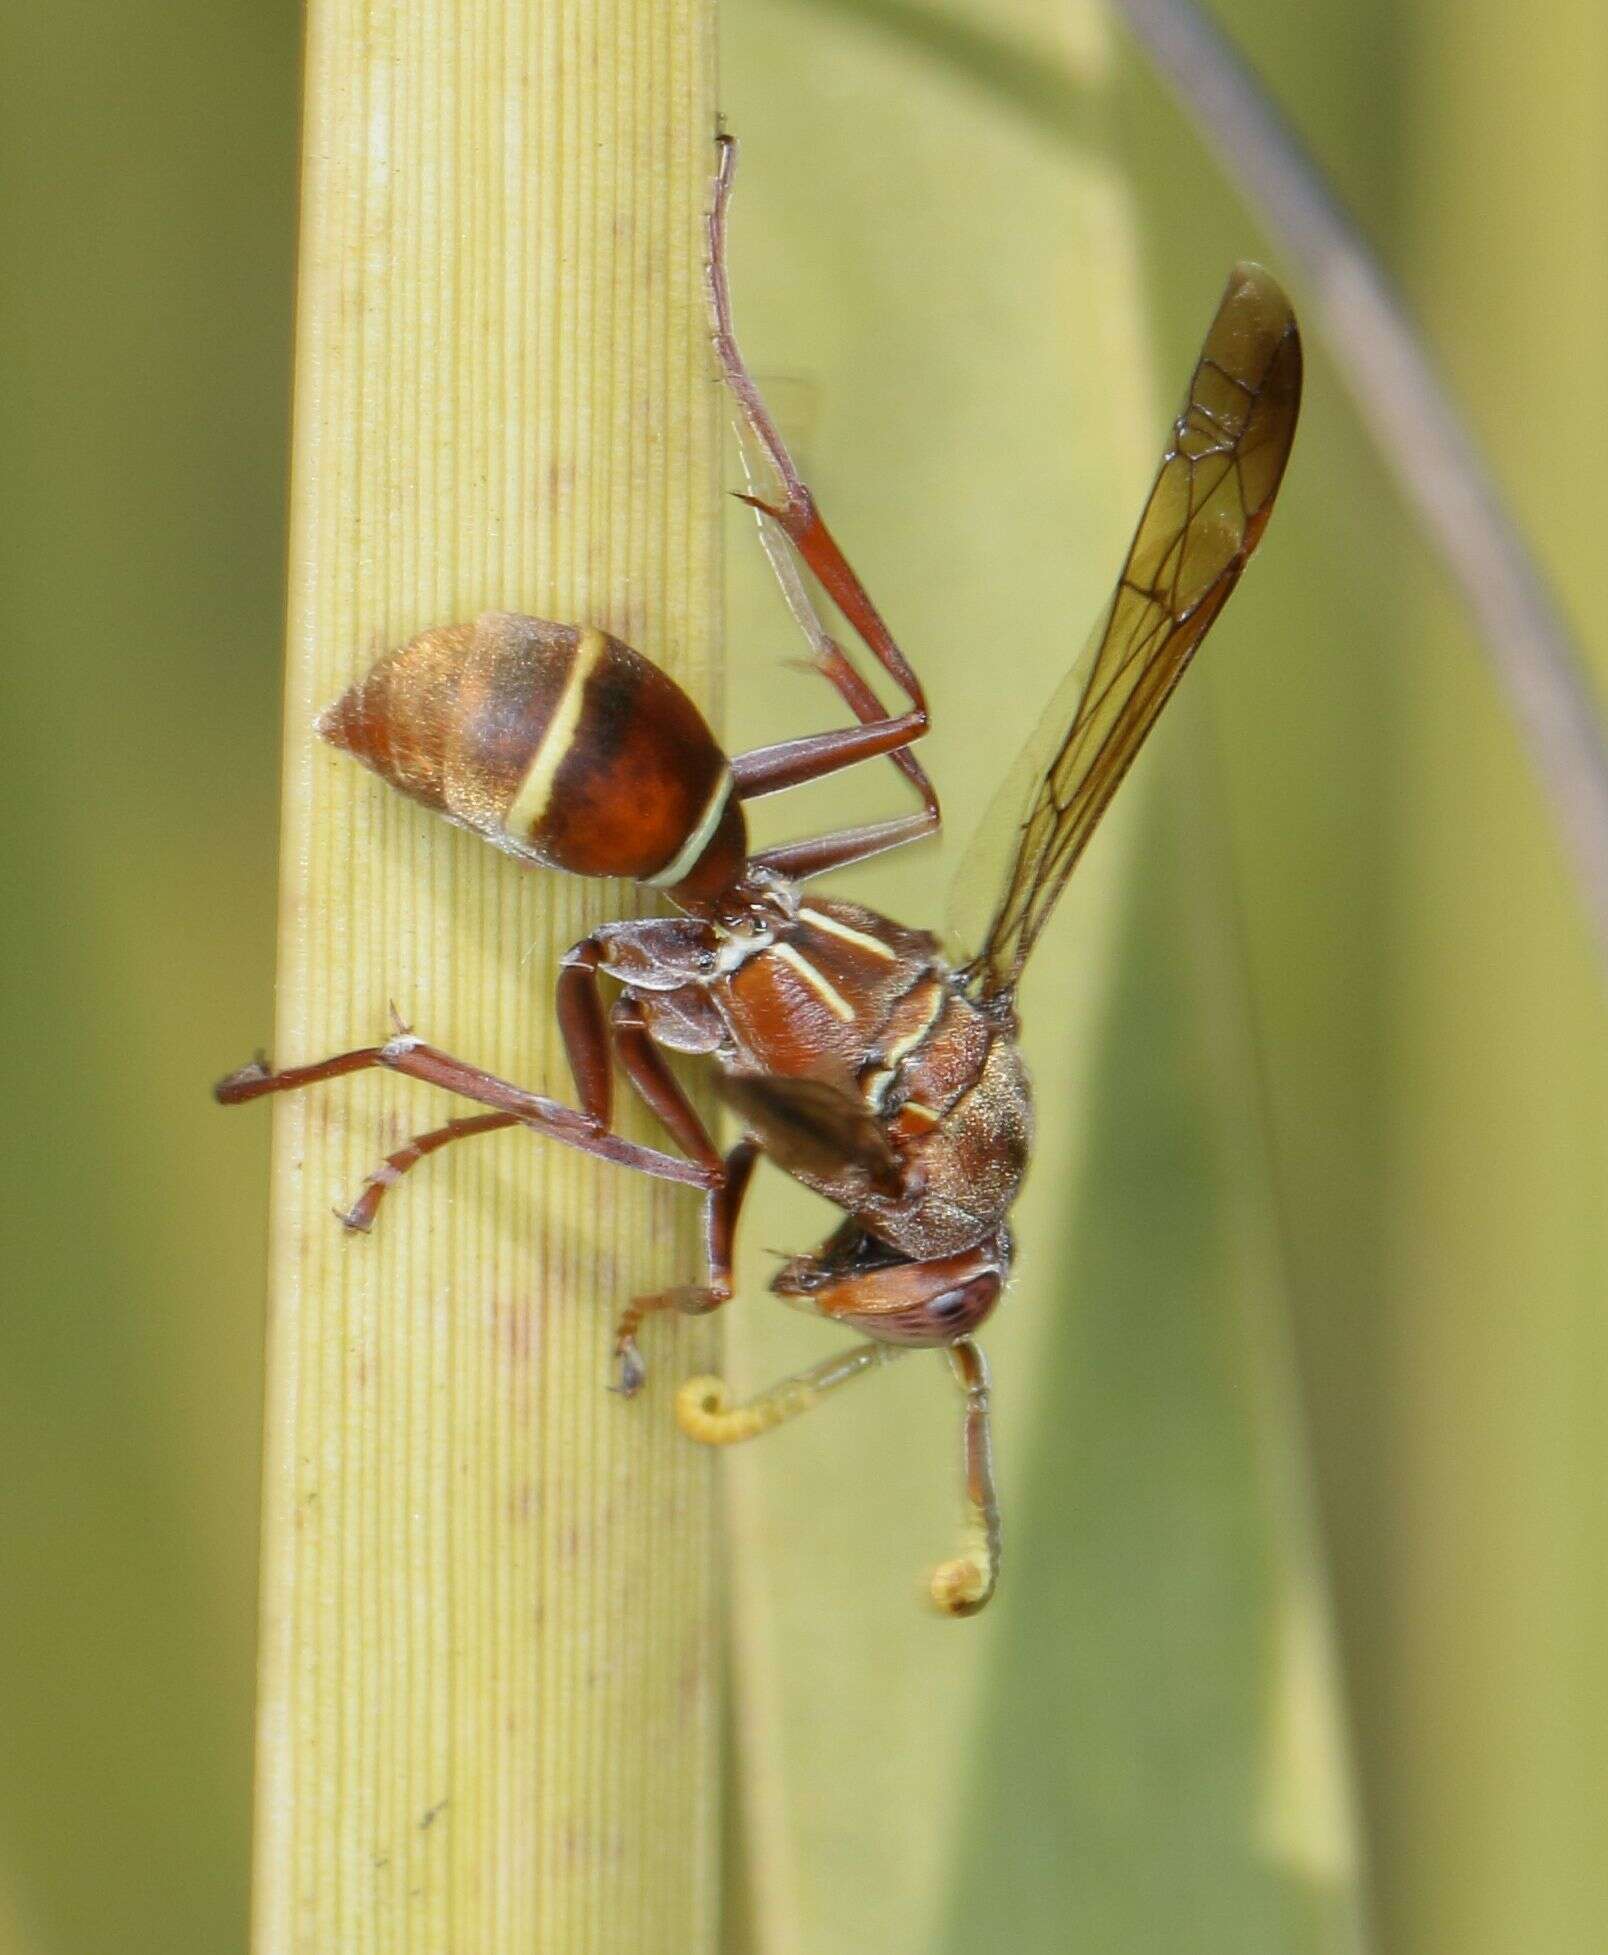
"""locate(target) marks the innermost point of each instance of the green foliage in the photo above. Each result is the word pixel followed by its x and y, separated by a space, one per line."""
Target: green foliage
pixel 1319 1038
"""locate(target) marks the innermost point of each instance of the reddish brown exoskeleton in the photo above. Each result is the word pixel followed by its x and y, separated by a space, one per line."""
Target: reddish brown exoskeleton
pixel 855 1056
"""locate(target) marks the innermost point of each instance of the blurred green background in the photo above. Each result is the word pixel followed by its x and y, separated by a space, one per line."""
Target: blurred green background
pixel 1326 1319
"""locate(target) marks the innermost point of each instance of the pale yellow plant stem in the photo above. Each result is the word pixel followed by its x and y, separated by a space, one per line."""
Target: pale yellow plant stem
pixel 488 1701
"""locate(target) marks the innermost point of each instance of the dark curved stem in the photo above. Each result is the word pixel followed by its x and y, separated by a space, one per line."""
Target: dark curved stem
pixel 1377 351
pixel 1411 416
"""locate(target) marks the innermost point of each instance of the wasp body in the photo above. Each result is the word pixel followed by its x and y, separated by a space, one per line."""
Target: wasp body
pixel 855 1056
pixel 565 747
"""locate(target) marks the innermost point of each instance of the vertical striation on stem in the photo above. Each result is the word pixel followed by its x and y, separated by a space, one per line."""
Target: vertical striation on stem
pixel 487 1711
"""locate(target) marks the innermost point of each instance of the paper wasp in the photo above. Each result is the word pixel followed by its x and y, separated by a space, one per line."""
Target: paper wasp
pixel 855 1056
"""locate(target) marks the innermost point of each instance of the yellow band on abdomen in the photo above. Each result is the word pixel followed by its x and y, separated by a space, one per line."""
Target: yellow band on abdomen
pixel 686 857
pixel 529 805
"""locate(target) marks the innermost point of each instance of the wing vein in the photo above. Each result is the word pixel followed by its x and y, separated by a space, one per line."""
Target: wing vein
pixel 1204 516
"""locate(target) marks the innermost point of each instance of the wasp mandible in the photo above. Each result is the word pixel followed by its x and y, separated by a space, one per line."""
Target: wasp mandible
pixel 856 1057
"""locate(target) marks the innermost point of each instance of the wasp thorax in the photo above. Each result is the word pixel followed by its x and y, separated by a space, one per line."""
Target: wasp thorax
pixel 659 953
pixel 557 742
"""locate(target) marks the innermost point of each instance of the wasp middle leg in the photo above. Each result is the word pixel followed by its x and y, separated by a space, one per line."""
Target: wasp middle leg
pixel 585 1033
pixel 359 1218
pixel 582 1026
pixel 411 1056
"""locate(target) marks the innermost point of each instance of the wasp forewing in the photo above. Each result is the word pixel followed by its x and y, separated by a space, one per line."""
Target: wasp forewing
pixel 1204 517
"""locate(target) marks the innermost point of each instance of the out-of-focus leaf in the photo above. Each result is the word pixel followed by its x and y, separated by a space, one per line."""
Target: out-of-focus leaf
pixel 1488 1706
pixel 983 427
pixel 1157 1762
pixel 147 230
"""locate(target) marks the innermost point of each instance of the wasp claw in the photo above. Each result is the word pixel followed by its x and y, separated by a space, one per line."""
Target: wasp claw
pixel 764 508
pixel 629 1371
pixel 238 1084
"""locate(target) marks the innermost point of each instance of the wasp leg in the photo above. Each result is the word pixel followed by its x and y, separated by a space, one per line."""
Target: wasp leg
pixel 963 1586
pixel 360 1216
pixel 579 1008
pixel 721 1211
pixel 798 861
pixel 649 1072
pixel 800 520
pixel 767 770
pixel 704 1413
pixel 411 1056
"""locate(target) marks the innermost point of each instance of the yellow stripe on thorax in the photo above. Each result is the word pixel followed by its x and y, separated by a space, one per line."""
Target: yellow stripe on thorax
pixel 900 1049
pixel 823 988
pixel 876 1083
pixel 535 791
pixel 830 924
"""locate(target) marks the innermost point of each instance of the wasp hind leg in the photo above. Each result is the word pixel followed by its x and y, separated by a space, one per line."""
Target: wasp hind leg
pixel 799 521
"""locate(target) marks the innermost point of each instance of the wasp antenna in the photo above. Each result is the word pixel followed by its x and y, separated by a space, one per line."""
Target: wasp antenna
pixel 705 1413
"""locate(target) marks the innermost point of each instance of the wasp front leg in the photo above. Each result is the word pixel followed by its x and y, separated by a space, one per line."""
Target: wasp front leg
pixel 657 1086
pixel 586 1033
pixel 936 1303
pixel 722 1208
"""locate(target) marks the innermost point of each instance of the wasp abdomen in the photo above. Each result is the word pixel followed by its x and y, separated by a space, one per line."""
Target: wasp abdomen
pixel 559 743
